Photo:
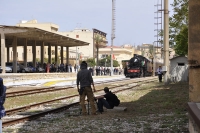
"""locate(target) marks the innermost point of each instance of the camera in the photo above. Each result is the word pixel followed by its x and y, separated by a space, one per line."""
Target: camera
pixel 81 90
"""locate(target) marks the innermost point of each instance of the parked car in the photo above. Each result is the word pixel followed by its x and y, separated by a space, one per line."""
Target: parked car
pixel 8 70
pixel 40 69
pixel 25 69
pixel 10 64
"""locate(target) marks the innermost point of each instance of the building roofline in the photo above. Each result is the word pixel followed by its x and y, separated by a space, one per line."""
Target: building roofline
pixel 42 35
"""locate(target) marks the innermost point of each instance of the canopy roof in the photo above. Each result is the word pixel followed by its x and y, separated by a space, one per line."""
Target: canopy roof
pixel 35 34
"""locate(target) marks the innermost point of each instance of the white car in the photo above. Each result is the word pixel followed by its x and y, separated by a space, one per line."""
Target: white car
pixel 8 69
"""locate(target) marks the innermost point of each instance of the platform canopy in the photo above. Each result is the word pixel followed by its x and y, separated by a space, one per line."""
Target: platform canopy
pixel 36 34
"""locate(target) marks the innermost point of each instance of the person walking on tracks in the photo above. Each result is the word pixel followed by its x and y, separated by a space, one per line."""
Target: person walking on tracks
pixel 85 79
pixel 159 71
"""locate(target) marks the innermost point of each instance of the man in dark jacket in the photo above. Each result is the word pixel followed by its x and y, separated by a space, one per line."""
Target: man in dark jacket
pixel 2 98
pixel 85 79
pixel 108 102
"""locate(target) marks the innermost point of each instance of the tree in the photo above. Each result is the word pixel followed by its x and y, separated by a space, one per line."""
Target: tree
pixel 98 40
pixel 46 60
pixel 91 62
pixel 108 62
pixel 151 50
pixel 181 46
pixel 178 26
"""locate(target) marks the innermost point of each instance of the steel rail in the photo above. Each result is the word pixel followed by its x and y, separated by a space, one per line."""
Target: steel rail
pixel 34 116
pixel 43 90
pixel 12 111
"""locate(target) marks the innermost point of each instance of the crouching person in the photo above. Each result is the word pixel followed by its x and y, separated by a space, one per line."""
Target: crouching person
pixel 109 102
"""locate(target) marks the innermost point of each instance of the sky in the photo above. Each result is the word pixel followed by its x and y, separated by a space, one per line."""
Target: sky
pixel 134 18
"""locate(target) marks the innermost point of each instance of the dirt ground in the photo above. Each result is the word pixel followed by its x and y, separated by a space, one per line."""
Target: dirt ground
pixel 151 108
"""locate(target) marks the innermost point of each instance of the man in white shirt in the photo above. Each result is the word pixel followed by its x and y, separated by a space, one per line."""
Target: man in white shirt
pixel 159 72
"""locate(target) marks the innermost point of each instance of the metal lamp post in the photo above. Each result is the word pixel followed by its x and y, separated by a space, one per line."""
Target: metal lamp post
pixel 78 57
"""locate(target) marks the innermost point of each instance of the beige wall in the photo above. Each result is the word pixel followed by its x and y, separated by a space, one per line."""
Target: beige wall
pixel 119 53
pixel 83 35
pixel 45 26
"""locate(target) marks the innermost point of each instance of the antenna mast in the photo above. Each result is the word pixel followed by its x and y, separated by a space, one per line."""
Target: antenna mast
pixel 113 33
pixel 159 31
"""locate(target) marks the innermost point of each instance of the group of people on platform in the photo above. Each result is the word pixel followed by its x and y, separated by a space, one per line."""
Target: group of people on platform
pixel 106 71
pixel 97 70
pixel 58 68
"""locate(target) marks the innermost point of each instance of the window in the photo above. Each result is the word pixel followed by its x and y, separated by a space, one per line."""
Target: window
pixel 77 36
pixel 181 64
pixel 53 52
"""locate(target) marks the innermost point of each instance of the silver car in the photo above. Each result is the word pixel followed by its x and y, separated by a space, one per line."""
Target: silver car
pixel 8 69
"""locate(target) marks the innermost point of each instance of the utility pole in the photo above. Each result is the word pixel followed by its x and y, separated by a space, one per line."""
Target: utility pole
pixel 154 60
pixel 76 56
pixel 166 41
pixel 112 34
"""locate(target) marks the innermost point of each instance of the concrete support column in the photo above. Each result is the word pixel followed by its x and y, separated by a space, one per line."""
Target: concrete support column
pixel 14 45
pixel 25 52
pixel 49 53
pixel 3 51
pixel 34 54
pixel 166 40
pixel 56 54
pixel 193 50
pixel 42 53
pixel 61 54
pixel 67 55
pixel 8 54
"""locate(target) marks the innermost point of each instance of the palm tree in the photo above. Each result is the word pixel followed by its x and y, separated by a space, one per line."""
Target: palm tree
pixel 97 41
pixel 152 56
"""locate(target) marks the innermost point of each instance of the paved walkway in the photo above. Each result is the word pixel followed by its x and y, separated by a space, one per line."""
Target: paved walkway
pixel 50 80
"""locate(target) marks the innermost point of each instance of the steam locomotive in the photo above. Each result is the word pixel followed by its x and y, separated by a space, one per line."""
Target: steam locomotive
pixel 140 66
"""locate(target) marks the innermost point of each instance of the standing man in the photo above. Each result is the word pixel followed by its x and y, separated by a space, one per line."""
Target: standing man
pixel 159 72
pixel 75 68
pixel 85 79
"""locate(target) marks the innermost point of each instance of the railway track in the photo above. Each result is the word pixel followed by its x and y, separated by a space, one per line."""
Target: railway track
pixel 50 89
pixel 37 115
pixel 20 109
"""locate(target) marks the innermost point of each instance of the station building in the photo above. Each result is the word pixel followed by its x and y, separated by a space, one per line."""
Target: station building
pixel 120 53
pixel 82 34
pixel 89 36
pixel 36 41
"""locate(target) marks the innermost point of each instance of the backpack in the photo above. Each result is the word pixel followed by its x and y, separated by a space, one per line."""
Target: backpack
pixel 115 99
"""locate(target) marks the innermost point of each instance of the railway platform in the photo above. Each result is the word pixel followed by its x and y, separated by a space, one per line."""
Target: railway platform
pixel 47 79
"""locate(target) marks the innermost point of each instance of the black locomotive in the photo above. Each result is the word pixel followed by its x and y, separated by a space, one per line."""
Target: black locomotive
pixel 139 66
